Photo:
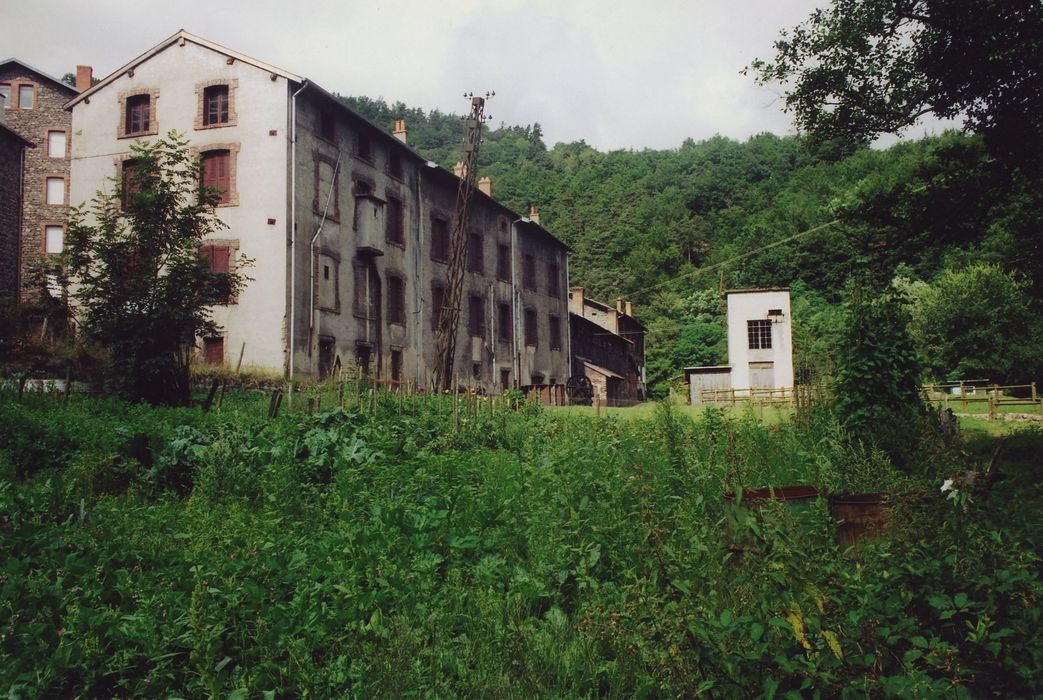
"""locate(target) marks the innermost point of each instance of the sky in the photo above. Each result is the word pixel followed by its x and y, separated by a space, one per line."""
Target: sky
pixel 615 73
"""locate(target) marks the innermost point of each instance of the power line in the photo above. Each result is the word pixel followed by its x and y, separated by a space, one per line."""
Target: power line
pixel 747 254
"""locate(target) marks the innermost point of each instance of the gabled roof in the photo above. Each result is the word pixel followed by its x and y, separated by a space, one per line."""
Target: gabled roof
pixel 179 38
pixel 26 143
pixel 47 76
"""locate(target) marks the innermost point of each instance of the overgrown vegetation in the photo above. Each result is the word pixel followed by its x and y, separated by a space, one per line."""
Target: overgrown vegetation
pixel 376 551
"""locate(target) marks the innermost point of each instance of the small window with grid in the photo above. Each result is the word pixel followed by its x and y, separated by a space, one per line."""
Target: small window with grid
pixel 759 333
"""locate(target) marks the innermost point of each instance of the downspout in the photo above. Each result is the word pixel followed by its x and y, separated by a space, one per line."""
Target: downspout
pixel 311 252
pixel 516 359
pixel 418 299
pixel 293 222
pixel 568 320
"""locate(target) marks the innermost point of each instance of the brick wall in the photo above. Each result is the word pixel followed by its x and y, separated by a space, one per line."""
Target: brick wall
pixel 47 114
pixel 10 168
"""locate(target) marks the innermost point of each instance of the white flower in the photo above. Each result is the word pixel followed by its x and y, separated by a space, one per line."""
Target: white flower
pixel 947 485
pixel 952 496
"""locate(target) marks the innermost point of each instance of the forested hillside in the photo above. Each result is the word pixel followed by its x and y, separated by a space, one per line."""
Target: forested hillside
pixel 657 227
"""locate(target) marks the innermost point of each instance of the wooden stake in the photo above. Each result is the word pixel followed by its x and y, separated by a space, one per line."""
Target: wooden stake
pixel 340 394
pixel 239 364
pixel 221 396
pixel 210 396
pixel 68 384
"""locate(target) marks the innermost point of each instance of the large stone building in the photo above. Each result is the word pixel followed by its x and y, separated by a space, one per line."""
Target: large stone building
pixel 12 158
pixel 347 226
pixel 34 109
pixel 608 347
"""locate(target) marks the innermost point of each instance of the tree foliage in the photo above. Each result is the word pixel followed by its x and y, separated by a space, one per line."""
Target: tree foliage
pixel 141 288
pixel 976 323
pixel 864 67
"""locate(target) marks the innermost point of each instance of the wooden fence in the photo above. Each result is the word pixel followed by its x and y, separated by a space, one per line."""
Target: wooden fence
pixel 991 400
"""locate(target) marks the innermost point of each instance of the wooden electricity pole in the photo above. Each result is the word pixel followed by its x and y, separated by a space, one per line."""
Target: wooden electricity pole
pixel 445 337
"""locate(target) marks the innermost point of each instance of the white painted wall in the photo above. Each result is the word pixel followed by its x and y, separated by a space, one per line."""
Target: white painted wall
pixel 261 106
pixel 744 306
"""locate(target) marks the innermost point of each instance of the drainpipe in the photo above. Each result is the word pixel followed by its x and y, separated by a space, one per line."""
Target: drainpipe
pixel 311 253
pixel 418 299
pixel 568 321
pixel 293 221
pixel 515 300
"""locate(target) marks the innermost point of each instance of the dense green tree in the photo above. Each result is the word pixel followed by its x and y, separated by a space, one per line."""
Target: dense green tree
pixel 865 67
pixel 976 323
pixel 142 289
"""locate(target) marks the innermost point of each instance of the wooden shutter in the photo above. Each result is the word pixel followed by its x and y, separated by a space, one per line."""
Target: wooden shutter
pixel 217 173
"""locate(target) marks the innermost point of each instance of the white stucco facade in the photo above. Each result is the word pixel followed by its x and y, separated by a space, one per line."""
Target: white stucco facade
pixel 760 338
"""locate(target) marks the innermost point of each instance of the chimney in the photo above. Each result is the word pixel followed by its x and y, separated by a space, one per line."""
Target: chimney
pixel 84 77
pixel 400 131
pixel 460 170
pixel 576 300
pixel 534 213
pixel 485 184
pixel 619 305
pixel 630 308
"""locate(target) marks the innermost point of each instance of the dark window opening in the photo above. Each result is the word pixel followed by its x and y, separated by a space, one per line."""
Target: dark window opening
pixel 138 114
pixel 325 272
pixel 504 322
pixel 476 316
pixel 327 126
pixel 365 147
pixel 218 260
pixel 476 370
pixel 396 299
pixel 759 333
pixel 215 105
pixel 505 379
pixel 396 365
pixel 553 276
pixel 532 335
pixel 362 355
pixel 529 272
pixel 217 174
pixel 439 240
pixel 503 262
pixel 474 254
pixel 395 226
pixel 555 333
pixel 395 164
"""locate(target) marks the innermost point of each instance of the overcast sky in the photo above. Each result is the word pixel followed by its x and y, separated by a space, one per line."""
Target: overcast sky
pixel 621 74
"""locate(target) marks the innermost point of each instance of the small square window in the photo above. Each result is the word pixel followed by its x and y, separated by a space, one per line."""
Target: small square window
pixel 56 190
pixel 54 239
pixel 26 93
pixel 55 144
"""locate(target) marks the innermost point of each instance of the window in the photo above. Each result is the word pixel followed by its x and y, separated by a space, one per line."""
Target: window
pixel 55 144
pixel 437 301
pixel 214 351
pixel 26 93
pixel 129 186
pixel 503 262
pixel 395 164
pixel 218 259
pixel 759 332
pixel 532 335
pixel 215 105
pixel 474 253
pixel 217 174
pixel 327 125
pixel 529 272
pixel 555 333
pixel 54 239
pixel 395 231
pixel 138 114
pixel 439 240
pixel 505 379
pixel 364 148
pixel 396 299
pixel 553 275
pixel 476 371
pixel 396 365
pixel 366 302
pixel 55 190
pixel 476 316
pixel 504 323
pixel 5 94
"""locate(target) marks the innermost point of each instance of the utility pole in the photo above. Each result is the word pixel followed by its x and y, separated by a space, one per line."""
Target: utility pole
pixel 445 338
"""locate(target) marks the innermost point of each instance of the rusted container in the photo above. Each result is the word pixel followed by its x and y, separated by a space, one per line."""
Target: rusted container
pixel 860 516
pixel 800 501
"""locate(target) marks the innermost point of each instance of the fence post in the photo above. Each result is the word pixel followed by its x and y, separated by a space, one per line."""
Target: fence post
pixel 992 405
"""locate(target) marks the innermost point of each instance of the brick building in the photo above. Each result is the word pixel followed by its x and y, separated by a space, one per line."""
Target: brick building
pixel 12 155
pixel 35 110
pixel 608 348
pixel 346 224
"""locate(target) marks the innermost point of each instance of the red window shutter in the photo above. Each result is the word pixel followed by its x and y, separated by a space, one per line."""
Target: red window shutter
pixel 217 173
pixel 218 258
pixel 214 351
